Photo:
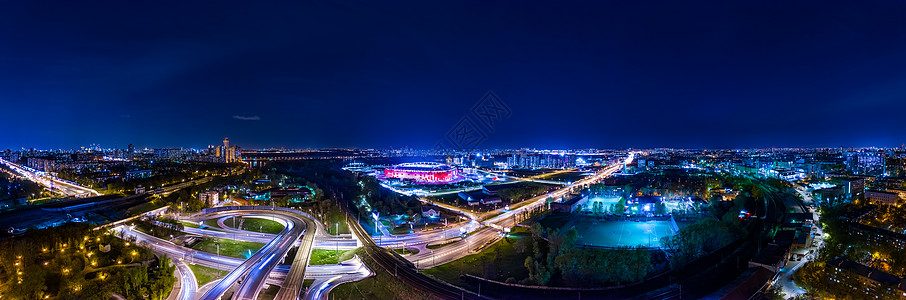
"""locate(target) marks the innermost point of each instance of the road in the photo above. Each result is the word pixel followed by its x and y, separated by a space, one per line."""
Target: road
pixel 408 273
pixel 495 225
pixel 188 283
pixel 292 286
pixel 321 287
pixel 403 270
pixel 256 269
pixel 787 286
pixel 350 270
pixel 50 182
pixel 282 275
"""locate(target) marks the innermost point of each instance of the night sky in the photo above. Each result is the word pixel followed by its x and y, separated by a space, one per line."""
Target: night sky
pixel 614 74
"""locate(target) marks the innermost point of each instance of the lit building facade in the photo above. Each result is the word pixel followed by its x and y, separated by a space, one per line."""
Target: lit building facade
pixel 424 172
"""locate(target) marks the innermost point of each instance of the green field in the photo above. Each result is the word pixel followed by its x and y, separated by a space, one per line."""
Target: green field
pixel 381 286
pixel 212 223
pixel 570 176
pixel 269 292
pixel 328 257
pixel 261 225
pixel 438 246
pixel 622 233
pixel 204 274
pixel 498 262
pixel 231 248
pixel 402 251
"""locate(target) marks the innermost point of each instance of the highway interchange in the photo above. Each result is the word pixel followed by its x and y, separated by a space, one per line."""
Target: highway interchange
pixel 247 277
pixel 263 267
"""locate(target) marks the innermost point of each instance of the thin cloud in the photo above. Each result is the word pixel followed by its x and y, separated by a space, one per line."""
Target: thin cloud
pixel 247 118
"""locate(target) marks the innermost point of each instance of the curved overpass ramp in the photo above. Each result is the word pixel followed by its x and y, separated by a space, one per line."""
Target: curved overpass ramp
pixel 254 272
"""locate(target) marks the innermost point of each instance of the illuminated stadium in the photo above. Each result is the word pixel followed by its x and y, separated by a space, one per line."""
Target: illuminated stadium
pixel 422 172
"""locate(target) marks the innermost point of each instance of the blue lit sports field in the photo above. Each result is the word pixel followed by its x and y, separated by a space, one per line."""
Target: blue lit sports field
pixel 622 233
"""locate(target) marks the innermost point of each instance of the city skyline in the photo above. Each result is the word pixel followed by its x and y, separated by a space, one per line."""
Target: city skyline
pixel 602 75
pixel 477 150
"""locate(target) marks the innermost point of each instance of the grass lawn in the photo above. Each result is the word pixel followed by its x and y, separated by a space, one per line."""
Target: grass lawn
pixel 400 230
pixel 508 263
pixel 262 225
pixel 328 257
pixel 440 245
pixel 381 286
pixel 212 223
pixel 144 207
pixel 231 248
pixel 189 224
pixel 332 229
pixel 204 274
pixel 402 251
pixel 307 283
pixel 269 292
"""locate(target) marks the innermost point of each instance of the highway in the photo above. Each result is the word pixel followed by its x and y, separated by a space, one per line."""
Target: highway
pixel 490 229
pixel 355 271
pixel 404 271
pixel 292 286
pixel 50 182
pixel 267 269
pixel 255 270
pixel 351 270
pixel 263 267
pixel 188 283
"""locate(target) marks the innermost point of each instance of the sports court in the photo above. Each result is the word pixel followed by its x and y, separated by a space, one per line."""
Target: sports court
pixel 622 233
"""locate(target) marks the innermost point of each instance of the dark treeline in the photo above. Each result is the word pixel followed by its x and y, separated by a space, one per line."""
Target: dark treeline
pixel 522 192
pixel 340 184
pixel 11 188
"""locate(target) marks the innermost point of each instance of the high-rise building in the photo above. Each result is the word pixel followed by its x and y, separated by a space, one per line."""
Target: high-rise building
pixel 169 153
pixel 227 153
pixel 209 197
pixel 130 152
pixel 865 163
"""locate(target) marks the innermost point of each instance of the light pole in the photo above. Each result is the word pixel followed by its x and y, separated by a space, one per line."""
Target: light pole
pixel 338 242
pixel 218 261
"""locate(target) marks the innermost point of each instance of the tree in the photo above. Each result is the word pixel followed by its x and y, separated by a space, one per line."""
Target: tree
pixel 660 208
pixel 32 286
pixel 620 207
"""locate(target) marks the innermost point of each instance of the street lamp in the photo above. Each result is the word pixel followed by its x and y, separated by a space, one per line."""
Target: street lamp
pixel 218 261
pixel 337 231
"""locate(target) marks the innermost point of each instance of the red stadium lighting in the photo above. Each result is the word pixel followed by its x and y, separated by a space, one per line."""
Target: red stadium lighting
pixel 422 172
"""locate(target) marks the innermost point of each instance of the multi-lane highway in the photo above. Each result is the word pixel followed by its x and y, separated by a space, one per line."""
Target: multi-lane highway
pixel 263 266
pixel 187 285
pixel 489 229
pixel 303 231
pixel 292 286
pixel 50 182
pixel 323 275
pixel 256 269
pixel 404 270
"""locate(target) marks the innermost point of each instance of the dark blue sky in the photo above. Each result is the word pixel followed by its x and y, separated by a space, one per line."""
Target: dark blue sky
pixel 581 74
